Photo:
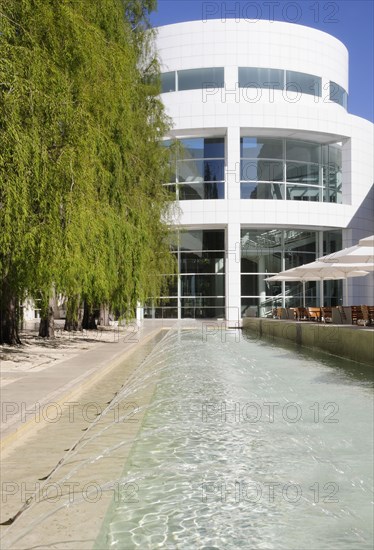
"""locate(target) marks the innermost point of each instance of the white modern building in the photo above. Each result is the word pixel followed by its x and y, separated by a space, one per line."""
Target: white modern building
pixel 273 171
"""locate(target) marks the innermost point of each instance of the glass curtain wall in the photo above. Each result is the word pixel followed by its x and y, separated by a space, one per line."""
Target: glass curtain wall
pixel 199 289
pixel 266 253
pixel 197 169
pixel 332 290
pixel 288 169
pixel 279 79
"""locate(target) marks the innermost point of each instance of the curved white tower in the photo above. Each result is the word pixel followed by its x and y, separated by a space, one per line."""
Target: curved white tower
pixel 273 172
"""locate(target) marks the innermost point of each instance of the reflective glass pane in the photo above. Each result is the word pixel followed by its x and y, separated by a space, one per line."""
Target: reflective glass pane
pixel 304 193
pixel 265 263
pixel 338 94
pixel 303 83
pixel 198 148
pixel 332 241
pixel 294 294
pixel 194 79
pixel 202 301
pixel 214 170
pixel 202 285
pixel 164 313
pixel 253 148
pixel 191 192
pixel 200 170
pixel 300 240
pixel 302 151
pixel 207 262
pixel 255 285
pixel 333 292
pixel 259 241
pixel 200 191
pixel 199 240
pixel 192 148
pixel 214 148
pixel 248 190
pixel 190 170
pixel 168 82
pixel 296 258
pixel 261 78
pixel 333 179
pixel 261 170
pixel 302 173
pixel 268 191
pixel 335 155
pixel 249 285
pixel 202 308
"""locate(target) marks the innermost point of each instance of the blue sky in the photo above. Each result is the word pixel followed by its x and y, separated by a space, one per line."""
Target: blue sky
pixel 350 21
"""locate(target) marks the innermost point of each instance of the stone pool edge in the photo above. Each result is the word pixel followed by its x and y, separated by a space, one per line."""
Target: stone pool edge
pixel 352 343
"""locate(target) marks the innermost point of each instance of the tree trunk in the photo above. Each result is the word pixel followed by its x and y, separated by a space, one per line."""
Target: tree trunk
pixel 47 325
pixel 88 322
pixel 73 319
pixel 104 315
pixel 8 318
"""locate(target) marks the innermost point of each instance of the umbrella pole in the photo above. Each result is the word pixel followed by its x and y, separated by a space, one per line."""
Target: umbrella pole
pixel 346 291
pixel 322 297
pixel 303 293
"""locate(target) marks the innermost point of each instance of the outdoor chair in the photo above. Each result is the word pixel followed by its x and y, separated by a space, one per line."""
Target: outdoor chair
pixel 302 314
pixel 291 313
pixel 367 315
pixel 371 313
pixel 314 313
pixel 326 313
pixel 356 314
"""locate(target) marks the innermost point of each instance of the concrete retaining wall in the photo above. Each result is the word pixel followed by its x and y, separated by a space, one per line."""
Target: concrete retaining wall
pixel 354 343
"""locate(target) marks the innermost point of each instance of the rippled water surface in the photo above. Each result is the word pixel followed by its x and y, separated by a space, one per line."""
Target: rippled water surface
pixel 248 445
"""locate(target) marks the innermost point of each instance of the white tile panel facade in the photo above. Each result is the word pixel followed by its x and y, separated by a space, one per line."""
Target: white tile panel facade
pixel 232 111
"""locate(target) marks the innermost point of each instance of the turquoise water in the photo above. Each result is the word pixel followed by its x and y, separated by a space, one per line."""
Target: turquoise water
pixel 248 445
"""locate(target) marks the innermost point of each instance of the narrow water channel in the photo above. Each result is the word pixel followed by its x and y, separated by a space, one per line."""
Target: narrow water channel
pixel 248 445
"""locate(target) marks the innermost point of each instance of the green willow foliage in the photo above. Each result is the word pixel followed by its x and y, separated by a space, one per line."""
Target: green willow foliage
pixel 81 167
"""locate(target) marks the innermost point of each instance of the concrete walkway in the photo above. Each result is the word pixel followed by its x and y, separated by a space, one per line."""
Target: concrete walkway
pixel 31 397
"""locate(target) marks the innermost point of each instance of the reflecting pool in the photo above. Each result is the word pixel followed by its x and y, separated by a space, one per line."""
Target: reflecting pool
pixel 248 445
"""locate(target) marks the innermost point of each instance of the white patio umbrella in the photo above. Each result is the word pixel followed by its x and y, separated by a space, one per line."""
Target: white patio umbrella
pixel 334 271
pixel 296 279
pixel 360 253
pixel 320 271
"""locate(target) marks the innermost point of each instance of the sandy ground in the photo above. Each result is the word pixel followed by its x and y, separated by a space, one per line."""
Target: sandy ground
pixel 35 353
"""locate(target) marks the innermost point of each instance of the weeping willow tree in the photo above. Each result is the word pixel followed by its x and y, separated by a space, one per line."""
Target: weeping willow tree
pixel 81 166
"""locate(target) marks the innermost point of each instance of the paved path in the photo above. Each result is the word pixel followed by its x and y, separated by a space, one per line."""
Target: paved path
pixel 28 396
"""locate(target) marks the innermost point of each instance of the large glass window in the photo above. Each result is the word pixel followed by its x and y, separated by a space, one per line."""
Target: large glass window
pixel 251 77
pixel 197 169
pixel 303 151
pixel 332 173
pixel 267 252
pixel 196 79
pixel 261 148
pixel 199 289
pixel 290 169
pixel 261 78
pixel 303 83
pixel 202 273
pixel 338 95
pixel 279 79
pixel 168 82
